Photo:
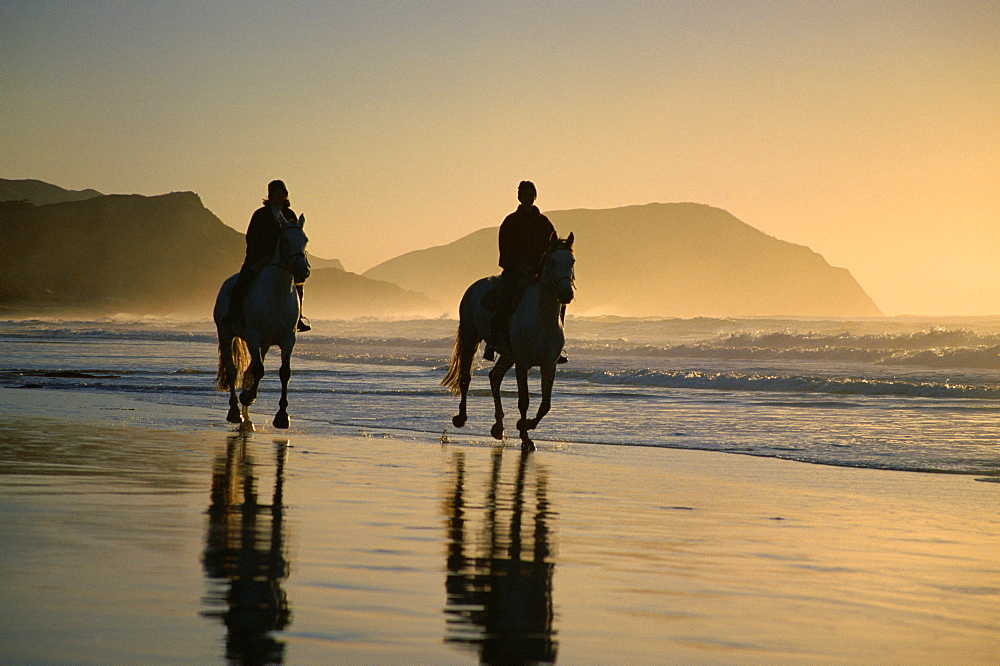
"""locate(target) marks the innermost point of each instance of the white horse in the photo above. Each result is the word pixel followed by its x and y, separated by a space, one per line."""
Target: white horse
pixel 536 339
pixel 271 314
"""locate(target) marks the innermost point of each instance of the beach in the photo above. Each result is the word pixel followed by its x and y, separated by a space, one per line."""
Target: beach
pixel 136 530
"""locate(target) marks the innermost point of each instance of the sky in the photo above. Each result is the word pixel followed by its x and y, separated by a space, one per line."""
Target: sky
pixel 868 131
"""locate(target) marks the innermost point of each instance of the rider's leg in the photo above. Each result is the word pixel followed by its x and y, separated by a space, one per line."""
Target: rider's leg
pixel 238 293
pixel 506 288
pixel 303 325
pixel 562 319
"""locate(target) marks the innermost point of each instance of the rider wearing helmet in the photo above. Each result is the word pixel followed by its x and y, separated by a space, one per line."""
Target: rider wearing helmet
pixel 262 240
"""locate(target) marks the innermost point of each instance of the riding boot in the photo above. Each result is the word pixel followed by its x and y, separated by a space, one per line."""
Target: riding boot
pixel 303 324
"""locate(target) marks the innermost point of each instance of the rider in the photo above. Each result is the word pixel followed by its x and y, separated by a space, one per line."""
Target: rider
pixel 262 240
pixel 524 239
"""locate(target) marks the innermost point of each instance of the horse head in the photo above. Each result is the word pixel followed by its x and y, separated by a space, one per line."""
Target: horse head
pixel 292 249
pixel 557 269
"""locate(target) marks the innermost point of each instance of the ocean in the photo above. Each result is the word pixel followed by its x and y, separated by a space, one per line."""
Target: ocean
pixel 903 393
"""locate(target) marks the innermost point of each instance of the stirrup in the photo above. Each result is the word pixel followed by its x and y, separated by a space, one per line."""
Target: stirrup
pixel 303 325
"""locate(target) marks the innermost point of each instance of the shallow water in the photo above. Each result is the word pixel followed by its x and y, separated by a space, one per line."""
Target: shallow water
pixel 130 542
pixel 138 527
pixel 903 394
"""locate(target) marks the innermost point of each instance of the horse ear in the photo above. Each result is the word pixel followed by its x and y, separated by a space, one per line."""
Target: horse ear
pixel 302 220
pixel 569 240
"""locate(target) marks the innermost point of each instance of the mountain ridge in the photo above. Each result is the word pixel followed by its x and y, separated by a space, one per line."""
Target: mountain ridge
pixel 162 254
pixel 658 259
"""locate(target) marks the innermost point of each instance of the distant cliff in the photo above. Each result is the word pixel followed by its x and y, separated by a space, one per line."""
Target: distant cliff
pixel 679 260
pixel 39 193
pixel 162 254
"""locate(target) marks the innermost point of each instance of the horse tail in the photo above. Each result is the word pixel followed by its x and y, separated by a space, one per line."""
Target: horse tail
pixel 462 353
pixel 241 359
pixel 453 377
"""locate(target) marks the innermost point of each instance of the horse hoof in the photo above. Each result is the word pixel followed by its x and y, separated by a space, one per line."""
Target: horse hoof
pixel 497 431
pixel 280 421
pixel 234 416
pixel 523 425
pixel 527 445
pixel 459 420
pixel 246 399
pixel 246 427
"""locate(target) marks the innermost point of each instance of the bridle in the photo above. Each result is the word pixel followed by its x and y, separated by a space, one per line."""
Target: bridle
pixel 550 282
pixel 287 261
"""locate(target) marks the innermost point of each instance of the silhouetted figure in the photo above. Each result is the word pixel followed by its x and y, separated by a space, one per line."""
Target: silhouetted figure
pixel 245 550
pixel 524 239
pixel 262 239
pixel 497 600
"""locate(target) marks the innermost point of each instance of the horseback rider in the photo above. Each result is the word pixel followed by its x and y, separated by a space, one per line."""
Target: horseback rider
pixel 263 234
pixel 524 239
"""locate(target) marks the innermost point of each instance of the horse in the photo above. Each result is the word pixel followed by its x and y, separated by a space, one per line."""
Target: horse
pixel 271 314
pixel 536 339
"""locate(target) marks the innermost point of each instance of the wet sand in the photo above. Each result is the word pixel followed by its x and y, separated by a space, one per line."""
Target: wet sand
pixel 141 532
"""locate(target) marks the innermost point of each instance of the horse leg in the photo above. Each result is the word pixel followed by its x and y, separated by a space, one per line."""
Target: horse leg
pixel 469 343
pixel 523 399
pixel 548 378
pixel 285 373
pixel 256 370
pixel 226 350
pixel 496 379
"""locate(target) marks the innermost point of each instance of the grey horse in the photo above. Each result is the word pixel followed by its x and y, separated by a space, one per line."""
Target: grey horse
pixel 536 339
pixel 271 313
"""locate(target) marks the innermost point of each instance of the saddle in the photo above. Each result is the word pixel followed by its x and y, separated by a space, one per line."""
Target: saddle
pixel 491 299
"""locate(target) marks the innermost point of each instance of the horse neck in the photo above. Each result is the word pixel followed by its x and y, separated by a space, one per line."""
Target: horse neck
pixel 544 304
pixel 277 275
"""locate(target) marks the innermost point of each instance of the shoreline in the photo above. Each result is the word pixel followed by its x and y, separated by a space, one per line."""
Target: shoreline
pixel 388 544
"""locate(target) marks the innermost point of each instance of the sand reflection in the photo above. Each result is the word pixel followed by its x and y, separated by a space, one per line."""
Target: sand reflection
pixel 245 556
pixel 499 582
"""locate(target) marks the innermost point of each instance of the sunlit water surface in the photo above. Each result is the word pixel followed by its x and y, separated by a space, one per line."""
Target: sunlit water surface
pixel 138 527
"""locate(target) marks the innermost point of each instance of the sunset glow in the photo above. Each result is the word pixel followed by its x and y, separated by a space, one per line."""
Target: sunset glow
pixel 869 132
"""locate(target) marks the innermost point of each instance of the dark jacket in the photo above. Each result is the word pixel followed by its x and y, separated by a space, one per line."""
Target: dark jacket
pixel 263 234
pixel 524 239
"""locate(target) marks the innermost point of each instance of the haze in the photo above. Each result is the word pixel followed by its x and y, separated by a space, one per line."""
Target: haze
pixel 869 132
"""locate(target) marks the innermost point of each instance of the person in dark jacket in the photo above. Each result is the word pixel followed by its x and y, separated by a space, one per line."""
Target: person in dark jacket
pixel 262 239
pixel 524 239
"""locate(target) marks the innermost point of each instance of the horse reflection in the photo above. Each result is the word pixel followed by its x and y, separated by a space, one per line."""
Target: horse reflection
pixel 499 600
pixel 245 555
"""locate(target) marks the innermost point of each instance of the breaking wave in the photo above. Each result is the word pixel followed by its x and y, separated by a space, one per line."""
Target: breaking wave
pixel 938 348
pixel 733 381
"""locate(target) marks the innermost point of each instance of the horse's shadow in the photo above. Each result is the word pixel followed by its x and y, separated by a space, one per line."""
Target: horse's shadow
pixel 499 595
pixel 245 555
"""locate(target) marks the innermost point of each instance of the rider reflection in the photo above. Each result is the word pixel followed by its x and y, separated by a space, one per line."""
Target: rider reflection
pixel 245 556
pixel 499 600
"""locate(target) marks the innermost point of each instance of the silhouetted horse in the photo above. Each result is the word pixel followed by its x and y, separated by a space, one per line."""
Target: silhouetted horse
pixel 536 339
pixel 271 313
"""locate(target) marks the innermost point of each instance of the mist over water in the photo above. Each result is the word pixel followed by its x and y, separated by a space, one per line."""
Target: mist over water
pixel 894 393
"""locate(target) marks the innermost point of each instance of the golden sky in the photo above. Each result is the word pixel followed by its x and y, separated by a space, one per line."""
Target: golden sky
pixel 869 131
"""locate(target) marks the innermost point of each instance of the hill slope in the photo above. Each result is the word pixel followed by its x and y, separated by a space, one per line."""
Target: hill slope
pixel 39 193
pixel 163 254
pixel 679 260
